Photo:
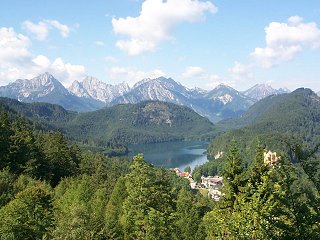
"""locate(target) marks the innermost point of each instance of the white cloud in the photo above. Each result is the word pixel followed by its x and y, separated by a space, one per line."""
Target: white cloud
pixel 41 29
pixel 285 40
pixel 156 21
pixel 132 75
pixel 13 46
pixel 16 61
pixel 241 72
pixel 193 72
pixel 41 61
pixel 203 78
pixel 66 72
pixel 63 29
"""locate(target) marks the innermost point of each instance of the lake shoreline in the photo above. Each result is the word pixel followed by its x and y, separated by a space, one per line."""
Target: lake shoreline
pixel 177 154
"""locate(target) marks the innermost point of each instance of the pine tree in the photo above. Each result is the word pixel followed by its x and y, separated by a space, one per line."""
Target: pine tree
pixel 296 216
pixel 232 176
pixel 5 133
pixel 187 219
pixel 147 209
pixel 59 157
pixel 113 228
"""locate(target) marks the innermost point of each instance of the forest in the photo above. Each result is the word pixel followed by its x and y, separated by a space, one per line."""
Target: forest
pixel 51 189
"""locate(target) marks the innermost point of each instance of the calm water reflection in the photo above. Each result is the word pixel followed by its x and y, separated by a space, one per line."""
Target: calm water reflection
pixel 173 154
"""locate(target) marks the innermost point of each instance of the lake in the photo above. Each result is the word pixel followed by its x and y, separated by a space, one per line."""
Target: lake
pixel 173 154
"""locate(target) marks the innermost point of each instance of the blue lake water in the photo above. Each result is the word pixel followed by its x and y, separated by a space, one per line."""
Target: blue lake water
pixel 173 154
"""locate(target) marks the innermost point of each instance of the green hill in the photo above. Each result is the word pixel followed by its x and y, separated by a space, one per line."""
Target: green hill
pixel 150 121
pixel 140 123
pixel 275 120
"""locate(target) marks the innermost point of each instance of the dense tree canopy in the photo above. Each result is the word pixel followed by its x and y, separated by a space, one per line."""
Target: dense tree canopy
pixel 51 189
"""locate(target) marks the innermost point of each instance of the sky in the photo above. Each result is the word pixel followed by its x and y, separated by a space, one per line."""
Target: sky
pixel 199 43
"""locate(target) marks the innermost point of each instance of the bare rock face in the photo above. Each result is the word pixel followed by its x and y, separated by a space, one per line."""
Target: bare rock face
pixel 91 87
pixel 260 91
pixel 222 102
pixel 45 88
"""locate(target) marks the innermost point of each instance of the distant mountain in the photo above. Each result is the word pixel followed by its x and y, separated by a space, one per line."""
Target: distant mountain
pixel 275 120
pixel 232 103
pixel 260 91
pixel 150 121
pixel 91 87
pixel 161 89
pixel 45 88
pixel 318 93
pixel 222 102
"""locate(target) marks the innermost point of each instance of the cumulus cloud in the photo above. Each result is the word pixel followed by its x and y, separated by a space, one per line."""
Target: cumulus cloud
pixel 156 21
pixel 17 61
pixel 285 40
pixel 203 78
pixel 41 29
pixel 132 75
pixel 13 45
pixel 193 71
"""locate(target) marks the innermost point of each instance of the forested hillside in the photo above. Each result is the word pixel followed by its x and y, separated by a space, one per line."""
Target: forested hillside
pixel 50 189
pixel 121 124
pixel 278 122
pixel 274 120
pixel 140 123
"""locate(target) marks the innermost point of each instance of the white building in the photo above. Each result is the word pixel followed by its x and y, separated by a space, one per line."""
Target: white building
pixel 212 182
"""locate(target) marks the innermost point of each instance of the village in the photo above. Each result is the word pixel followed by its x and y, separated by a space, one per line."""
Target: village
pixel 211 184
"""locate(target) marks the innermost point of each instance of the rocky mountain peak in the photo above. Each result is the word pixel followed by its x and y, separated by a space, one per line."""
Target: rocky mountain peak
pixel 91 87
pixel 45 78
pixel 260 91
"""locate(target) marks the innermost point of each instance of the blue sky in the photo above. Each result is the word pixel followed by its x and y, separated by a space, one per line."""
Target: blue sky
pixel 198 43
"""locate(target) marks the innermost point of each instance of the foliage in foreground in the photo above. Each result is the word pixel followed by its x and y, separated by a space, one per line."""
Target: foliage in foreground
pixel 49 189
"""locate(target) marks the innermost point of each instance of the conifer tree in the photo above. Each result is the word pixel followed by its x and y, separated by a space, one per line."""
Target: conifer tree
pixel 187 219
pixel 5 133
pixel 233 175
pixel 113 228
pixel 147 209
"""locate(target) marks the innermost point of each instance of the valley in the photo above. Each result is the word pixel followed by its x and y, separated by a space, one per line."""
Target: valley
pixel 159 120
pixel 110 157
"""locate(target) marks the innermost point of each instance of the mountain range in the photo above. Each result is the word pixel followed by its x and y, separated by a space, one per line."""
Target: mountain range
pixel 45 88
pixel 90 94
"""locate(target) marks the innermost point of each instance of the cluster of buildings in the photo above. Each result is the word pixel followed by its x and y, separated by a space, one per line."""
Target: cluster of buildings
pixel 212 184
